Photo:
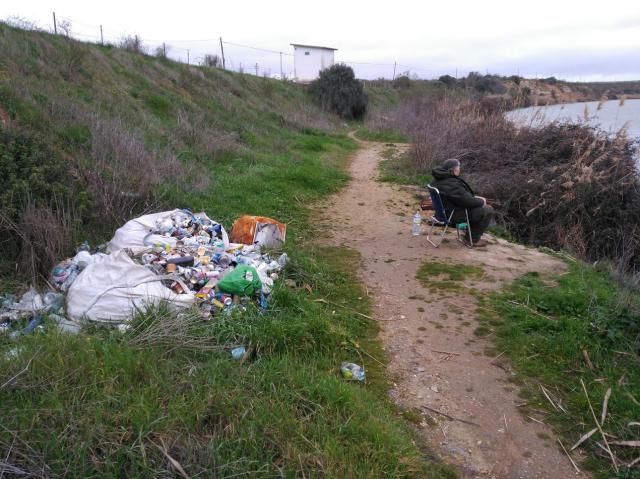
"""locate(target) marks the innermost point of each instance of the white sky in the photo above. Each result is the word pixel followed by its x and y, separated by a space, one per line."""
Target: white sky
pixel 574 40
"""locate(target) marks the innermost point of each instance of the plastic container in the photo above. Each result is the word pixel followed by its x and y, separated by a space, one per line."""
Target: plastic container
pixel 417 224
pixel 238 353
pixel 352 371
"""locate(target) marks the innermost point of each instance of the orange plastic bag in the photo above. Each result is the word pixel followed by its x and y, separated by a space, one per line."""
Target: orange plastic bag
pixel 244 228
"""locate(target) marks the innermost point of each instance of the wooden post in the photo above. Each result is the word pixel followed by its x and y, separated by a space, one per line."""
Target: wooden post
pixel 224 66
pixel 256 69
pixel 164 50
pixel 55 26
pixel 395 64
pixel 281 74
pixel 187 56
pixel 101 36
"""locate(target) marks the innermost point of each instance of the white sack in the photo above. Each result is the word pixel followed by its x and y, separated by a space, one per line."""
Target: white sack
pixel 113 288
pixel 134 234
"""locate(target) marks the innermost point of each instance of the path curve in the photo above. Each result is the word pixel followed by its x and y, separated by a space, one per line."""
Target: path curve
pixel 375 219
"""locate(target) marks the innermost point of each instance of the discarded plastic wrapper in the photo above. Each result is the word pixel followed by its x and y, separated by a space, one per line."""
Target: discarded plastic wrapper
pixel 259 229
pixel 352 371
pixel 243 281
pixel 238 353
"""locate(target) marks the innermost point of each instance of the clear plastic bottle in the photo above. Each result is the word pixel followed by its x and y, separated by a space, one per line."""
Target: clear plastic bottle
pixel 417 224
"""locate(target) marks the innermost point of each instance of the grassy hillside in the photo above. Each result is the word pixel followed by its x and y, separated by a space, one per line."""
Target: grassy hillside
pixel 125 132
pixel 95 135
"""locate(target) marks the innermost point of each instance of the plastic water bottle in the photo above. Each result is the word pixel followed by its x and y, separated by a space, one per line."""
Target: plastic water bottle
pixel 417 224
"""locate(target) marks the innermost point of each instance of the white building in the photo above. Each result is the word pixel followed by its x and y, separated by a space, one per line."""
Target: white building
pixel 309 60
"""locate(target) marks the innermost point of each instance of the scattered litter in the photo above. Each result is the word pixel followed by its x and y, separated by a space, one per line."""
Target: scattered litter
pixel 352 371
pixel 238 353
pixel 178 257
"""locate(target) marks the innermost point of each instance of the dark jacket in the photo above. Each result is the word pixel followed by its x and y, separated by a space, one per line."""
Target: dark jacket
pixel 455 192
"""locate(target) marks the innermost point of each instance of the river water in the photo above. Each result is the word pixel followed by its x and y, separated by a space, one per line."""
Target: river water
pixel 611 117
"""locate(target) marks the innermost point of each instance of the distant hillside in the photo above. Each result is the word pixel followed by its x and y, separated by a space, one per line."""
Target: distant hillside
pixel 513 91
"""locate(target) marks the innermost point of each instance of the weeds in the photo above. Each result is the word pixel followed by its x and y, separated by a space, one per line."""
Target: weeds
pixel 582 329
pixel 447 276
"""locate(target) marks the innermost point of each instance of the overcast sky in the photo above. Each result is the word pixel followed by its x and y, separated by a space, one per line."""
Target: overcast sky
pixel 573 40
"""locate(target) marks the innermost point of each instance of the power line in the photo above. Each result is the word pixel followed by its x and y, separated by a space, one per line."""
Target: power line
pixel 256 48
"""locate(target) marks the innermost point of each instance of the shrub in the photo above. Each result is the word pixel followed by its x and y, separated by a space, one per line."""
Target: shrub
pixel 211 60
pixel 402 82
pixel 448 80
pixel 132 43
pixel 161 51
pixel 339 91
pixel 38 202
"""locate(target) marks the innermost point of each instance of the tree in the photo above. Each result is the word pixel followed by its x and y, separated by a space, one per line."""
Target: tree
pixel 448 80
pixel 402 82
pixel 338 90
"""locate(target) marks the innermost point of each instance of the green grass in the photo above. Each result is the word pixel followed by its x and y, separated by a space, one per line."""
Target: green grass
pixel 447 276
pixel 93 405
pixel 395 167
pixel 545 326
pixel 431 270
pixel 99 405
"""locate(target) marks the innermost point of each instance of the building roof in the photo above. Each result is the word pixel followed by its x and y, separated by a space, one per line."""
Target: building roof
pixel 312 46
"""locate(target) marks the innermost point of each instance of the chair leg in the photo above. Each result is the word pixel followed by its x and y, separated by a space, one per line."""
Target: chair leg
pixel 467 231
pixel 444 232
pixel 441 236
pixel 429 234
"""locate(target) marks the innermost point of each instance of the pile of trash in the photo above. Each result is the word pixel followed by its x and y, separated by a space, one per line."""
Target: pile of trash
pixel 177 257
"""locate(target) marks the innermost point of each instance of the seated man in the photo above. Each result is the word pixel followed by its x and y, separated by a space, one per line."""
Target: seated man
pixel 456 193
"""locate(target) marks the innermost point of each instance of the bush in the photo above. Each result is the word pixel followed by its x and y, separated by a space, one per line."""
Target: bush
pixel 448 80
pixel 211 60
pixel 132 43
pixel 402 82
pixel 337 90
pixel 38 202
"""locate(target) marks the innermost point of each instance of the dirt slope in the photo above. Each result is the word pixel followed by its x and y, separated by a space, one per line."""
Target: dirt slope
pixel 419 325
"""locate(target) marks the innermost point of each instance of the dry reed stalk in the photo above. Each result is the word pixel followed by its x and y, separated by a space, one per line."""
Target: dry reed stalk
pixel 604 438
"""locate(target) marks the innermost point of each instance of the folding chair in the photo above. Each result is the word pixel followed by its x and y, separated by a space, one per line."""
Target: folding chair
pixel 440 218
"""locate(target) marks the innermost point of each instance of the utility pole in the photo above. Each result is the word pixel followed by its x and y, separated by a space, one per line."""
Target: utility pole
pixel 256 69
pixel 101 36
pixel 395 64
pixel 164 50
pixel 281 74
pixel 224 67
pixel 55 26
pixel 187 56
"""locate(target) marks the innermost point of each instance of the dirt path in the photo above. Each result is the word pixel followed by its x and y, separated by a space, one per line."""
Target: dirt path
pixel 416 323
